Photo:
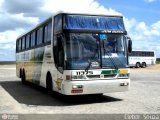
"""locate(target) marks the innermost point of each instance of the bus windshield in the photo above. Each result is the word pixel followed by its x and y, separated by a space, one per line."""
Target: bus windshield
pixel 99 50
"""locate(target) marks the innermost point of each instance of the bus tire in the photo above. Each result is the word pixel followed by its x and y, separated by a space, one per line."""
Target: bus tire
pixel 138 65
pixel 98 95
pixel 20 73
pixel 23 77
pixel 49 83
pixel 144 65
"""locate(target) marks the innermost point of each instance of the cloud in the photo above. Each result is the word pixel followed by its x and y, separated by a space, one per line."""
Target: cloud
pixel 141 31
pixel 14 21
pixel 8 43
pixel 22 6
pixel 144 37
pixel 10 36
pixel 17 16
pixel 82 6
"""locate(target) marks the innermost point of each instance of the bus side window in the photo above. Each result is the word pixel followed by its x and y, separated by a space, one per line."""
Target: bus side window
pixel 58 23
pixel 23 43
pixel 47 32
pixel 33 35
pixel 40 36
pixel 19 44
pixel 27 41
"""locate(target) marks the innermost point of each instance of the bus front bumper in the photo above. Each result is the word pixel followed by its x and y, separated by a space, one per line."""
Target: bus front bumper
pixel 95 86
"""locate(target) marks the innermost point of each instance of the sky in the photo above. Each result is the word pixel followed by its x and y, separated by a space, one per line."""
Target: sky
pixel 141 17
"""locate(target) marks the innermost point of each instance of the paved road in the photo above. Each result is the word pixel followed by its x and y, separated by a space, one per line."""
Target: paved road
pixel 143 97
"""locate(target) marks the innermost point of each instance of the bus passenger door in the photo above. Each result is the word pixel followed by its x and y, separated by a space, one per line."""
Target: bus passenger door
pixel 59 53
pixel 59 59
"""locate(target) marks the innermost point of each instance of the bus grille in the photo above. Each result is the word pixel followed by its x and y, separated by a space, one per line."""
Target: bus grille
pixel 101 76
pixel 93 76
pixel 110 76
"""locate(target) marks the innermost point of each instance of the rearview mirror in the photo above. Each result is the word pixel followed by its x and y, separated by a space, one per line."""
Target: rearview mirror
pixel 129 45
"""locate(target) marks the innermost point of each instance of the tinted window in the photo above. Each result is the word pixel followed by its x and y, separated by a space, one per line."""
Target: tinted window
pixel 93 22
pixel 19 44
pixel 39 36
pixel 47 32
pixel 23 43
pixel 142 53
pixel 58 23
pixel 33 35
pixel 28 41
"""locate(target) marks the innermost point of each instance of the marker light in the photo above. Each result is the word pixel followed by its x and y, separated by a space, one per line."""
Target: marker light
pixel 123 75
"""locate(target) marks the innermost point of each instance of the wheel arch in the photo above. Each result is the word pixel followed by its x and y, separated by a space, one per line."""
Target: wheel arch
pixel 49 81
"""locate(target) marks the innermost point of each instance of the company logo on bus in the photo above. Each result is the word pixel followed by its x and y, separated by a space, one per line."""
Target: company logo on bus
pixel 95 64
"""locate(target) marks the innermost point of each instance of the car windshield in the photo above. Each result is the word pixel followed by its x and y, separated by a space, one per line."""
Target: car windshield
pixel 95 51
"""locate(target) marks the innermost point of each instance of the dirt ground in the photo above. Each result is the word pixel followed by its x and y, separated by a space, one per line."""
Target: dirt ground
pixel 154 67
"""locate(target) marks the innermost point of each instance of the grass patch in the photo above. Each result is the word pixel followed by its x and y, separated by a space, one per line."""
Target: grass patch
pixel 7 62
pixel 158 61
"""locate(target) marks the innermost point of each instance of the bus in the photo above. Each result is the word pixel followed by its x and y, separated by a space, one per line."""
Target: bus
pixel 141 58
pixel 75 54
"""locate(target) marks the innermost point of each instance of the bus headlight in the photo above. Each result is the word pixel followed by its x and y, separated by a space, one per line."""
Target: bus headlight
pixel 126 75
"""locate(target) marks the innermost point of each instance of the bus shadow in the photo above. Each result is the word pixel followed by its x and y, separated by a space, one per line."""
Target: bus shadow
pixel 34 95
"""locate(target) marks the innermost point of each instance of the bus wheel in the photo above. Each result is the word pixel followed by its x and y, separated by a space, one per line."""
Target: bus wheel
pixel 138 65
pixel 49 83
pixel 144 65
pixel 20 73
pixel 23 77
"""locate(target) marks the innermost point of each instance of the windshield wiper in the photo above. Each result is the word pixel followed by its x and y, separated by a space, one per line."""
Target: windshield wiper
pixel 93 57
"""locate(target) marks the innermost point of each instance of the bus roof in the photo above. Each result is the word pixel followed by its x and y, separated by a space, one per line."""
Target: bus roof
pixel 91 14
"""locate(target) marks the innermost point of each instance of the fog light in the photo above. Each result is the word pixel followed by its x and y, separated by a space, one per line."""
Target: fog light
pixel 124 84
pixel 123 75
pixel 77 86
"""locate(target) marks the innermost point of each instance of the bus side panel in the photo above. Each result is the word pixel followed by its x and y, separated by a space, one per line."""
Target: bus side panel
pixel 48 66
pixel 19 64
pixel 37 65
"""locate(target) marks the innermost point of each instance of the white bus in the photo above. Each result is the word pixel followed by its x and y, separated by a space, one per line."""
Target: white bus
pixel 76 54
pixel 142 58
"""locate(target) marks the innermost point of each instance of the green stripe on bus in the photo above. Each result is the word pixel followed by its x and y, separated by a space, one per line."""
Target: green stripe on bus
pixel 110 72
